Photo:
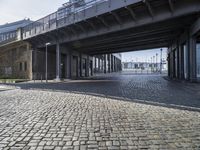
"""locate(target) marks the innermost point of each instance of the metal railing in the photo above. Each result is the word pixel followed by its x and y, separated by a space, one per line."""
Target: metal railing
pixel 8 37
pixel 59 19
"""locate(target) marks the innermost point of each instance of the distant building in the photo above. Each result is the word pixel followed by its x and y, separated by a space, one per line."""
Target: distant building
pixel 144 65
pixel 15 54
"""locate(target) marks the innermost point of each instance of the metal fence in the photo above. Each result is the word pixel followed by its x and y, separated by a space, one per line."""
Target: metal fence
pixel 8 37
pixel 59 19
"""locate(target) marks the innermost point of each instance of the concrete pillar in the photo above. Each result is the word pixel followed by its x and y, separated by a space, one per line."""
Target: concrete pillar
pixel 109 63
pixel 69 59
pixel 181 63
pixel 87 66
pixel 57 61
pixel 105 63
pixel 34 59
pixel 95 64
pixel 99 69
pixel 102 64
pixel 177 62
pixel 81 66
pixel 91 67
pixel 192 60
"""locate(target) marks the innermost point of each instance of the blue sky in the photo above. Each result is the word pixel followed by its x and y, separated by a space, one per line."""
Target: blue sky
pixel 143 56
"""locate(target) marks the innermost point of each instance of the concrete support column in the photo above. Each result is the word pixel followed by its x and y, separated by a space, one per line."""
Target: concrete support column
pixel 177 62
pixel 34 59
pixel 91 67
pixel 87 66
pixel 192 60
pixel 69 60
pixel 109 63
pixel 112 64
pixel 81 66
pixel 95 64
pixel 181 63
pixel 105 63
pixel 99 66
pixel 57 61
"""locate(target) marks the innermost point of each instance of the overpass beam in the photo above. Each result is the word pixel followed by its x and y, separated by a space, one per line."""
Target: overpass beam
pixel 133 15
pixel 149 7
pixel 91 24
pixel 103 21
pixel 171 5
pixel 116 16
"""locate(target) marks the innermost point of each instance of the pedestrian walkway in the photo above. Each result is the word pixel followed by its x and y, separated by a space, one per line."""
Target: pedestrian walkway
pixel 91 114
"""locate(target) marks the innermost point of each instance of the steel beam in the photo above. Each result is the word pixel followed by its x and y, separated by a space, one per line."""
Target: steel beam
pixel 103 21
pixel 116 16
pixel 150 9
pixel 171 5
pixel 133 15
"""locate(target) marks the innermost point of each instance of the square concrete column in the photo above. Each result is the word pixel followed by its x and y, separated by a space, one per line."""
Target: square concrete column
pixel 87 66
pixel 105 60
pixel 81 66
pixel 109 63
pixel 192 60
pixel 57 62
pixel 181 62
pixel 69 59
pixel 95 64
pixel 34 59
pixel 112 63
pixel 99 66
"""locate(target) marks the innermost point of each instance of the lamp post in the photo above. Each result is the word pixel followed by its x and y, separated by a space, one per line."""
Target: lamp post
pixel 153 63
pixel 46 76
pixel 156 62
pixel 161 61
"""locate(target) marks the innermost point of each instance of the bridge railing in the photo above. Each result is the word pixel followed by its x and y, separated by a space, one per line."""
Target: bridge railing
pixel 59 19
pixel 10 36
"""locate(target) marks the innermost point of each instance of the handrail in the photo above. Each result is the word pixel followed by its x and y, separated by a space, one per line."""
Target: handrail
pixel 57 19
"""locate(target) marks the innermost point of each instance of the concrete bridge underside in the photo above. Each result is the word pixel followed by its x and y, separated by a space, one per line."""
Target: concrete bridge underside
pixel 128 25
pixel 140 25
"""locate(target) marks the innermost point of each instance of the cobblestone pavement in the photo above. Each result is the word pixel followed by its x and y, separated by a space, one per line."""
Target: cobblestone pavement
pixel 92 114
pixel 33 119
pixel 126 86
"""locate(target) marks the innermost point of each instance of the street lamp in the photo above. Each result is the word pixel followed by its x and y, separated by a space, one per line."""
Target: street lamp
pixel 46 62
pixel 153 63
pixel 156 62
pixel 161 61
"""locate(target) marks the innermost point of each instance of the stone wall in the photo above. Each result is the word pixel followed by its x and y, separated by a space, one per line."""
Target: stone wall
pixel 16 61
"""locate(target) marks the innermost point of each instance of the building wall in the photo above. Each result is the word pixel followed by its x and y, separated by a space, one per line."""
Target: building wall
pixel 16 61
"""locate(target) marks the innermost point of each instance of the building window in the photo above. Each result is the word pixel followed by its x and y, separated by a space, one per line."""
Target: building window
pixel 20 66
pixel 25 66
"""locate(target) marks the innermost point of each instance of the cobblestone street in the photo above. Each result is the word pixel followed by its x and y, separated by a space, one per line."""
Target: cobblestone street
pixel 100 114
